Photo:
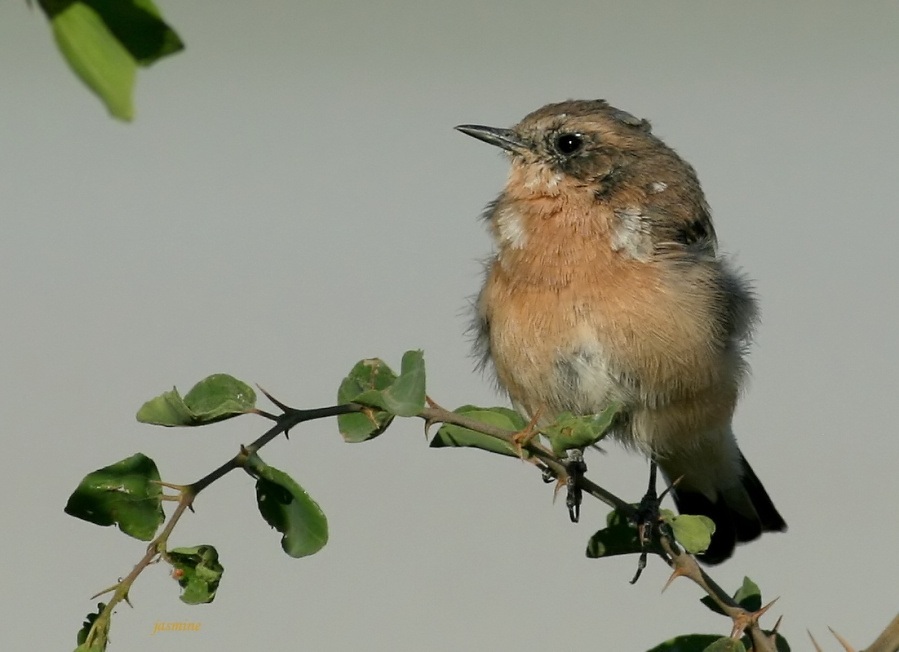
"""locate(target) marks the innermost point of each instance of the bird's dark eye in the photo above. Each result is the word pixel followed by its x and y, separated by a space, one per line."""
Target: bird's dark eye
pixel 569 143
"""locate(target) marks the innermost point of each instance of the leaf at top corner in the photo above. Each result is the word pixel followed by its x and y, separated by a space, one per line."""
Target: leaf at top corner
pixel 287 507
pixel 450 435
pixel 126 494
pixel 215 398
pixel 94 54
pixel 139 27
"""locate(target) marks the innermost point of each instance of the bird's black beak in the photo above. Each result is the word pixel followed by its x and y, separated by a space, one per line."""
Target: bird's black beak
pixel 504 138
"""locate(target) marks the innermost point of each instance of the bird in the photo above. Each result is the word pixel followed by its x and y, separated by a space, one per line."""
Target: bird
pixel 606 286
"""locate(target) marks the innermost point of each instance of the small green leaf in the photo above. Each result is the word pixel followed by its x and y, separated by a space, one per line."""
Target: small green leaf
pixel 167 409
pixel 687 643
pixel 218 397
pixel 748 596
pixel 402 396
pixel 449 435
pixel 694 533
pixel 569 431
pixel 287 507
pixel 726 644
pixel 215 398
pixel 368 378
pixel 362 426
pixel 100 639
pixel 96 56
pixel 126 493
pixel 198 572
pixel 406 395
pixel 620 537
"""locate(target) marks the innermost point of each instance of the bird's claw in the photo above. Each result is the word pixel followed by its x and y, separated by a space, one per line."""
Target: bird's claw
pixel 575 468
pixel 647 519
pixel 523 437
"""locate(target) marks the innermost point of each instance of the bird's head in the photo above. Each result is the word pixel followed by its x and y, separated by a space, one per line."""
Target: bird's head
pixel 583 142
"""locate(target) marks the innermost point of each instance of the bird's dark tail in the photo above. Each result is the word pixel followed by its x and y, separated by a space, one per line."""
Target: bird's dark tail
pixel 741 513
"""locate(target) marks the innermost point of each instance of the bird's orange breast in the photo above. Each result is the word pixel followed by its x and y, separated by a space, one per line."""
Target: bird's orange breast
pixel 574 324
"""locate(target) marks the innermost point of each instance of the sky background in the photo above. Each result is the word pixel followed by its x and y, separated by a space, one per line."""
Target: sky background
pixel 292 198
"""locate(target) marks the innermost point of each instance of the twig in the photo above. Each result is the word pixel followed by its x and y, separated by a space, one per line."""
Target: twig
pixel 685 565
pixel 121 589
pixel 188 493
pixel 437 414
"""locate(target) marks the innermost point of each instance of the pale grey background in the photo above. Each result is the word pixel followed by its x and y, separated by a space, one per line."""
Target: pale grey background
pixel 292 198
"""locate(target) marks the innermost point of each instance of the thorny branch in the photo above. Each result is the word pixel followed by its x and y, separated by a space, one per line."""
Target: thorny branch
pixel 682 563
pixel 187 493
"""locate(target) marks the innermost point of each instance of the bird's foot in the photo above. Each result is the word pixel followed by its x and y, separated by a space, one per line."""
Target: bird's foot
pixel 575 468
pixel 647 519
pixel 648 511
pixel 523 437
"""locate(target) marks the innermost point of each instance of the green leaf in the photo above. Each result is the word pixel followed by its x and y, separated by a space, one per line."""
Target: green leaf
pixel 126 494
pixel 726 644
pixel 95 55
pixel 362 426
pixel 704 642
pixel 167 409
pixel 687 643
pixel 198 571
pixel 406 396
pixel 693 532
pixel 215 398
pixel 748 596
pixel 100 640
pixel 780 643
pixel 139 27
pixel 104 41
pixel 287 507
pixel 619 537
pixel 367 377
pixel 218 397
pixel 449 435
pixel 569 431
pixel 402 396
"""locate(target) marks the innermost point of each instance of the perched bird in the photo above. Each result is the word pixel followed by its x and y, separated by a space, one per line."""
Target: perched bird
pixel 605 286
